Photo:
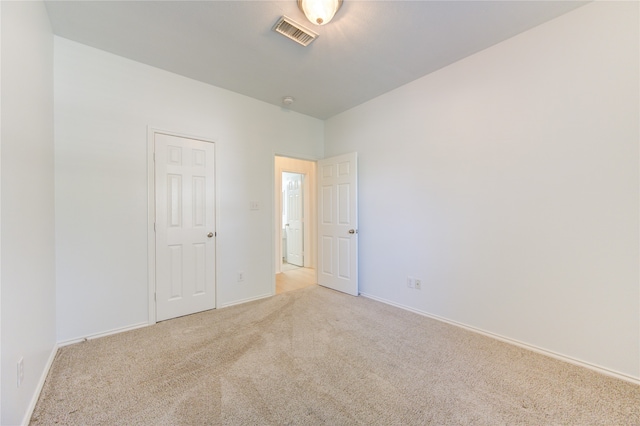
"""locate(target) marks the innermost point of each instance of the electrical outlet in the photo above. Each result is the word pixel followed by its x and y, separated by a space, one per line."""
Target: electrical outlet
pixel 418 284
pixel 240 276
pixel 410 282
pixel 20 371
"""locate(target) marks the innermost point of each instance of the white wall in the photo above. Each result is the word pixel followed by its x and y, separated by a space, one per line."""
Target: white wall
pixel 27 237
pixel 104 104
pixel 508 183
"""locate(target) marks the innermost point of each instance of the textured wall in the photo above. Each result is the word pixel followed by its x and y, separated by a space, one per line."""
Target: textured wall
pixel 104 104
pixel 28 276
pixel 508 183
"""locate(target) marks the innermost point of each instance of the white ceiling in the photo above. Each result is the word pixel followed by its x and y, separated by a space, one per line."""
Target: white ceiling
pixel 370 48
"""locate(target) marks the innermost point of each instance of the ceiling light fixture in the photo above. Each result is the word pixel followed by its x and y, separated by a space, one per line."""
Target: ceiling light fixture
pixel 319 12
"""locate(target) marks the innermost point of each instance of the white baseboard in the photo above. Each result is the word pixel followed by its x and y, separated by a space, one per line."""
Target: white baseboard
pixel 240 302
pixel 555 355
pixel 103 334
pixel 36 394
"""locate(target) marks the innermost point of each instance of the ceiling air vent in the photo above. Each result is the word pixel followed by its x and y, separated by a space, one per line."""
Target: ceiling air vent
pixel 296 32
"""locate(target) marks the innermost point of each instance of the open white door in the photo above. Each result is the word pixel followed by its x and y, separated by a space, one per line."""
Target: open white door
pixel 185 226
pixel 338 223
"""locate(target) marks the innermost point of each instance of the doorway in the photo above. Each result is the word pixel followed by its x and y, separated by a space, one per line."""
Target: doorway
pixel 292 220
pixel 295 223
pixel 182 198
pixel 330 244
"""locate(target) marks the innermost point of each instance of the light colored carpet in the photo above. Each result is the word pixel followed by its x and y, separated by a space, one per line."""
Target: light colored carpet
pixel 315 356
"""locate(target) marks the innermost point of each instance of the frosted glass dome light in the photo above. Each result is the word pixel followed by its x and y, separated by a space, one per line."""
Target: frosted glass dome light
pixel 319 12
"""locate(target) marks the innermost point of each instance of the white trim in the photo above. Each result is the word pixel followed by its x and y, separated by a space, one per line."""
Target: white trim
pixel 36 395
pixel 296 156
pixel 151 216
pixel 546 352
pixel 275 234
pixel 1 212
pixel 102 334
pixel 240 302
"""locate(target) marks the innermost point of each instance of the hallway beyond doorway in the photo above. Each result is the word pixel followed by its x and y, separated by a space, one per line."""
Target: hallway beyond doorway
pixel 294 278
pixel 308 220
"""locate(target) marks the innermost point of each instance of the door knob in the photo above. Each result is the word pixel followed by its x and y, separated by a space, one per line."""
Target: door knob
pixel 353 231
pixel 210 234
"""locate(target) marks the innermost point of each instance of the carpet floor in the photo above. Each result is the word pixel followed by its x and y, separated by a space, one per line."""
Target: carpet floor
pixel 313 357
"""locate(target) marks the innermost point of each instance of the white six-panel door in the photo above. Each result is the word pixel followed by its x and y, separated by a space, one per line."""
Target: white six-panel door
pixel 185 226
pixel 338 223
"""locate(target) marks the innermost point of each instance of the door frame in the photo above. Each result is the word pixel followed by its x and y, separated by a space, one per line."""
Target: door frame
pixel 151 214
